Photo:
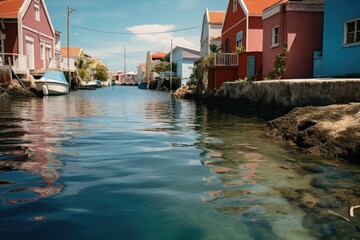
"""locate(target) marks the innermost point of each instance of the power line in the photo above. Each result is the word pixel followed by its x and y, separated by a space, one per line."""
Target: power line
pixel 132 33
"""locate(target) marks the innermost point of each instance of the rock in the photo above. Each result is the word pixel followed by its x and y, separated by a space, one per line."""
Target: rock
pixel 331 131
pixel 184 92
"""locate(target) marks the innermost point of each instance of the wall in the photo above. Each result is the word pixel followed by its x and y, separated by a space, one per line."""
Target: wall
pixel 217 76
pixel 271 99
pixel 255 42
pixel 336 13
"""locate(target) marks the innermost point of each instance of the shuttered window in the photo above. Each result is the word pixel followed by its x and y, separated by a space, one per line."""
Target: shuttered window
pixel 352 32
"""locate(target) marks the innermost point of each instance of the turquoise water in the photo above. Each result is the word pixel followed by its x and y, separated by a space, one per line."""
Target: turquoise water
pixel 124 163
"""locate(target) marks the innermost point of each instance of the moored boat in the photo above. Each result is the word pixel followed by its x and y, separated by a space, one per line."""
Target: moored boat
pixel 53 83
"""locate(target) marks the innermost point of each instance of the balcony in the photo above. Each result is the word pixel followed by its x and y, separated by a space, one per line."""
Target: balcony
pixel 226 59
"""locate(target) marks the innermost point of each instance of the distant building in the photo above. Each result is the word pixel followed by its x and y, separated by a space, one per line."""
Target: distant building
pixel 158 56
pixel 74 54
pixel 27 36
pixel 211 30
pixel 141 71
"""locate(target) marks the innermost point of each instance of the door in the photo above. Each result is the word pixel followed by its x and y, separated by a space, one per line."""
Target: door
pixel 30 53
pixel 251 67
pixel 47 56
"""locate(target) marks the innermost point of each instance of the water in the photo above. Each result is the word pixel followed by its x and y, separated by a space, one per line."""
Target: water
pixel 123 163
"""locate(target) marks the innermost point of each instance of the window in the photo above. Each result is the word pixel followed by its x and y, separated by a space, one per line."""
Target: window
pixel 235 2
pixel 352 31
pixel 37 11
pixel 275 37
pixel 239 39
pixel 42 50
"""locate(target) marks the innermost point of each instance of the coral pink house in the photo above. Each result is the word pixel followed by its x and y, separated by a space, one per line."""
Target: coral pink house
pixel 27 35
pixel 299 25
pixel 242 32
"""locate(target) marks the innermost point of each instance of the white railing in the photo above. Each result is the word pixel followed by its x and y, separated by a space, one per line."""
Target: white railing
pixel 226 59
pixel 13 59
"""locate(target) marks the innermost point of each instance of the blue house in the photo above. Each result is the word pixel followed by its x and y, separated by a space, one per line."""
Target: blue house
pixel 184 58
pixel 341 39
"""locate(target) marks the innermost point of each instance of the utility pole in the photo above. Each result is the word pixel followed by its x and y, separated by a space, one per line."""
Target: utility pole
pixel 171 70
pixel 124 63
pixel 69 10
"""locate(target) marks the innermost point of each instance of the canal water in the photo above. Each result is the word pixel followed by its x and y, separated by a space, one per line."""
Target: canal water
pixel 124 163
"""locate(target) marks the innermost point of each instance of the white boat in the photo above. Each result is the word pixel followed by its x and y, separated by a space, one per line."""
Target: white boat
pixel 88 85
pixel 53 83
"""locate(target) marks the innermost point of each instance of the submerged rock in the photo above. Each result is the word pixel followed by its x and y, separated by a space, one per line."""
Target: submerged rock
pixel 332 131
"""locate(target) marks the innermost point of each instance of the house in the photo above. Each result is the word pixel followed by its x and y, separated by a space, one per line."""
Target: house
pixel 184 58
pixel 74 54
pixel 141 71
pixel 298 27
pixel 242 43
pixel 211 30
pixel 27 36
pixel 341 44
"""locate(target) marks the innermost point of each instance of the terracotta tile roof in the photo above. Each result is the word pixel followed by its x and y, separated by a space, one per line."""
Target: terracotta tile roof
pixel 73 52
pixel 216 17
pixel 158 55
pixel 256 7
pixel 10 8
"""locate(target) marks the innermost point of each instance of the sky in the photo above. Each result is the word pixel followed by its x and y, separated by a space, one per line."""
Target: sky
pixel 103 28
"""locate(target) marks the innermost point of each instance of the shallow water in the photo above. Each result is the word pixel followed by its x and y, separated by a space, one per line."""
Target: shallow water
pixel 124 163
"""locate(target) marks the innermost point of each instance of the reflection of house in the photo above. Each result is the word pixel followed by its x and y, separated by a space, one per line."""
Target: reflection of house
pixel 26 35
pixel 341 44
pixel 74 54
pixel 211 30
pixel 242 40
pixel 291 23
pixel 184 59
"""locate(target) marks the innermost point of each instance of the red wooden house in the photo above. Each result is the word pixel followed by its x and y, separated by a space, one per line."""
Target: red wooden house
pixel 27 37
pixel 242 41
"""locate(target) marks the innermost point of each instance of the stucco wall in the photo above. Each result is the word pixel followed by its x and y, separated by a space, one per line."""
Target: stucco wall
pixel 271 99
pixel 336 14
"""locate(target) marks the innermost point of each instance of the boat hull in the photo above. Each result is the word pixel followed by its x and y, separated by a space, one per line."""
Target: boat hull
pixel 54 88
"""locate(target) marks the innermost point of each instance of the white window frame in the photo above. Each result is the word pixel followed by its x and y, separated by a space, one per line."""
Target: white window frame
pixel 356 33
pixel 37 11
pixel 275 36
pixel 235 5
pixel 42 50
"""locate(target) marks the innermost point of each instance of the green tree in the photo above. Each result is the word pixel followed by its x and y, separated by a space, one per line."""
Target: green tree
pixel 214 48
pixel 164 67
pixel 101 73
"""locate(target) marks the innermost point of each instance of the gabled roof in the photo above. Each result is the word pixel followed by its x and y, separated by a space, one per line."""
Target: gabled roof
pixel 256 7
pixel 10 8
pixel 73 52
pixel 216 17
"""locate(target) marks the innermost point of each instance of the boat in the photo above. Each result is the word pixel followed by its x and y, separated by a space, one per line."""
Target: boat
pixel 88 85
pixel 99 83
pixel 142 85
pixel 53 83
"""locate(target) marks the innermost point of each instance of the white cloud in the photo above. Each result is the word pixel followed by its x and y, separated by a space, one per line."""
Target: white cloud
pixel 162 36
pixel 187 4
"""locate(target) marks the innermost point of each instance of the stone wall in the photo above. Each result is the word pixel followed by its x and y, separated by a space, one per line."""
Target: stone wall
pixel 271 99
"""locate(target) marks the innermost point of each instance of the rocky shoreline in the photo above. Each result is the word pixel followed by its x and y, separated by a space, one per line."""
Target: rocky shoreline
pixel 331 131
pixel 15 90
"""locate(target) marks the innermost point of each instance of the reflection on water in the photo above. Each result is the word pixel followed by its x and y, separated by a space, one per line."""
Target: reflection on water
pixel 124 163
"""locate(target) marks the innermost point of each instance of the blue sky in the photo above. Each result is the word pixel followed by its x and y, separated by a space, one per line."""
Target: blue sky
pixel 130 17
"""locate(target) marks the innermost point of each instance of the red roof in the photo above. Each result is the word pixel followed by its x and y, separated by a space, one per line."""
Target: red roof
pixel 216 18
pixel 73 52
pixel 256 7
pixel 158 55
pixel 10 8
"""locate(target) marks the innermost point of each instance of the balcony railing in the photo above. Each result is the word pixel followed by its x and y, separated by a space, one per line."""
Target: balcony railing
pixel 226 59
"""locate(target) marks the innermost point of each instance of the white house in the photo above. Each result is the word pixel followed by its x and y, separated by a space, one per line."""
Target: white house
pixel 211 30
